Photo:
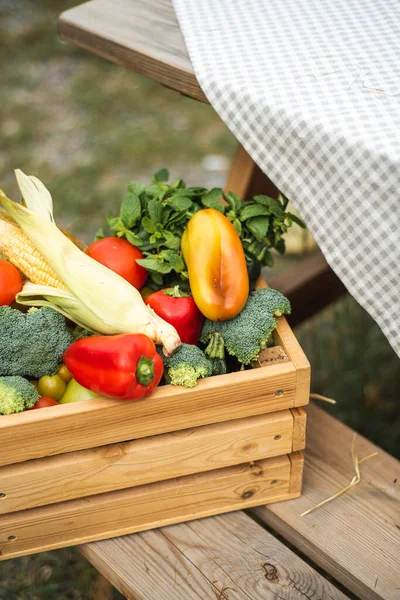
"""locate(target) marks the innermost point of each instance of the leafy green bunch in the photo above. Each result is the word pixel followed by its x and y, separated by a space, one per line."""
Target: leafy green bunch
pixel 153 218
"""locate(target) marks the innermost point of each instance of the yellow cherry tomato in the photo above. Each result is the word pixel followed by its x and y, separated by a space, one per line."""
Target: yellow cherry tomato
pixel 64 373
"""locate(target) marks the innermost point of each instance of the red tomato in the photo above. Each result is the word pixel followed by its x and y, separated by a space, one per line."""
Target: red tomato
pixel 44 402
pixel 178 309
pixel 11 283
pixel 120 256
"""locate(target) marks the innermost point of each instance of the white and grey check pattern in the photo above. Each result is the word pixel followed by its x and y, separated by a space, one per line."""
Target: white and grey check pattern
pixel 311 88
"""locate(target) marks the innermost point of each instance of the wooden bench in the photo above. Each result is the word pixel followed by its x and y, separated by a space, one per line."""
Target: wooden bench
pixel 348 548
pixel 352 545
pixel 144 36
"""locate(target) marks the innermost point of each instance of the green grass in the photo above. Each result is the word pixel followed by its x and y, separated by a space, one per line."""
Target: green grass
pixel 86 127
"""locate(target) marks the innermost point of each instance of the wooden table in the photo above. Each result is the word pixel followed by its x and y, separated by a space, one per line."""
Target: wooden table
pixel 349 547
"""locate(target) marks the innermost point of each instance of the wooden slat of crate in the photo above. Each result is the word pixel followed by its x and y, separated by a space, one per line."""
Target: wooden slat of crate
pixel 98 422
pixel 119 466
pixel 149 506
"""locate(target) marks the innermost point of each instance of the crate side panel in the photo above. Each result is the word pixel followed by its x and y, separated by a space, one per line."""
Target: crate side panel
pixel 145 507
pixel 126 464
pixel 98 422
pixel 299 428
pixel 285 336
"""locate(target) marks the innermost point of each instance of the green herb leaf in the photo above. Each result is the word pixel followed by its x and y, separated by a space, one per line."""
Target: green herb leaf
pixel 155 210
pixel 284 201
pixel 172 241
pixel 148 225
pixel 157 279
pixel 130 210
pixel 238 226
pixel 267 260
pixel 296 220
pixel 177 218
pixel 161 175
pixel 179 203
pixel 152 264
pixel 178 184
pixel 134 187
pixel 174 259
pixel 280 246
pixel 99 235
pixel 258 227
pixel 212 199
pixel 233 201
pixel 133 239
pixel 250 210
pixel 274 205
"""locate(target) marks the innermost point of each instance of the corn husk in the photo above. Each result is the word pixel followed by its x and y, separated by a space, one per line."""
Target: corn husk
pixel 98 298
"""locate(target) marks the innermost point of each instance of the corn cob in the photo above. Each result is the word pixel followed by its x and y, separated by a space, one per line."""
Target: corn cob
pixel 20 251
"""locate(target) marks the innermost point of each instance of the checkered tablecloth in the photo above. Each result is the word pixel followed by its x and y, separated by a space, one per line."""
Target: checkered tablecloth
pixel 311 88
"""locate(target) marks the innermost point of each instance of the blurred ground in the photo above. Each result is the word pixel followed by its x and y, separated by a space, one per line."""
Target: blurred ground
pixel 86 127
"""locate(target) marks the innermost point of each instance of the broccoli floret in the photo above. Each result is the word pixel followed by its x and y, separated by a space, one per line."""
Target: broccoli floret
pixel 32 343
pixel 186 366
pixel 250 331
pixel 16 394
pixel 218 366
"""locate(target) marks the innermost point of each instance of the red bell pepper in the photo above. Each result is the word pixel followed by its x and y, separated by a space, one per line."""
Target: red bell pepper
pixel 180 310
pixel 125 366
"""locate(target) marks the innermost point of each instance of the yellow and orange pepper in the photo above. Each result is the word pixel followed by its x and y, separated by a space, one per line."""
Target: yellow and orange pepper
pixel 216 264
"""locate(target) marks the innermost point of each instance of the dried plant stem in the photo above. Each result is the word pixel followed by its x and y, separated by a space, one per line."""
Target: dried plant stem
pixel 323 398
pixel 355 481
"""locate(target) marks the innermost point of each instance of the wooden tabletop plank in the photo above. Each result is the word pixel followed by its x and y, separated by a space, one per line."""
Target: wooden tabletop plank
pixel 356 538
pixel 229 557
pixel 141 35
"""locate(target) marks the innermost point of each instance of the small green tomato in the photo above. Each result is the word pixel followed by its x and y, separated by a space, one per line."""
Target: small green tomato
pixel 51 385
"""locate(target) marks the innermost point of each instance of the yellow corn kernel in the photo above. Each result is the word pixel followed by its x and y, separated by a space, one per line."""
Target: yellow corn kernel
pixel 20 251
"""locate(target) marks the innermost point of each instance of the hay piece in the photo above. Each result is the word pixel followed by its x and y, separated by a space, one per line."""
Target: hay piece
pixel 355 481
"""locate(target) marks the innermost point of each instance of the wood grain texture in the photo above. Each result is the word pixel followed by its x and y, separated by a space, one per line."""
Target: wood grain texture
pixel 286 338
pixel 145 507
pixel 299 428
pixel 246 179
pixel 310 285
pixel 356 538
pixel 98 422
pixel 142 36
pixel 119 466
pixel 228 557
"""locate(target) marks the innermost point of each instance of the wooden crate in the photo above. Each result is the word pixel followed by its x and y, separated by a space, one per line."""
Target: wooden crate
pixel 97 422
pixel 100 468
pixel 151 505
